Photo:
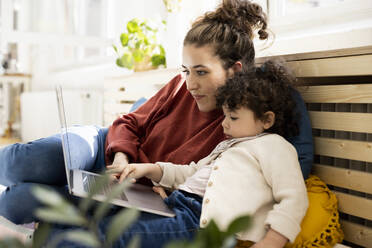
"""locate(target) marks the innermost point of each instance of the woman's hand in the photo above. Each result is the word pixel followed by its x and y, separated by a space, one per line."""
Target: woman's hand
pixel 118 165
pixel 272 239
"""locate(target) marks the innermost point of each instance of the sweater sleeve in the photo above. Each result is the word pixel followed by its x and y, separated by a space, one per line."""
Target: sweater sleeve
pixel 282 172
pixel 126 132
pixel 174 175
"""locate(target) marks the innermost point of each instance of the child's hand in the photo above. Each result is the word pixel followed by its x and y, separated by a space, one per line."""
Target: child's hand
pixel 160 191
pixel 134 171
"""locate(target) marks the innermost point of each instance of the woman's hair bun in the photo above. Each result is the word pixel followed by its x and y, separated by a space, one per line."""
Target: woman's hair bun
pixel 242 15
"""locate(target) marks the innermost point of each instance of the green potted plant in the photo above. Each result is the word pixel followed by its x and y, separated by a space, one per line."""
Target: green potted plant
pixel 139 48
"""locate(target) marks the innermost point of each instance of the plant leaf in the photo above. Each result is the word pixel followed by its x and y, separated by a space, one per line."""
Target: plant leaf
pixel 104 207
pixel 40 235
pixel 124 38
pixel 82 237
pixel 138 44
pixel 162 50
pixel 125 61
pixel 120 222
pixel 95 189
pixel 135 242
pixel 62 217
pixel 157 60
pixel 229 242
pixel 211 235
pixel 48 196
pixel 132 26
pixel 239 224
pixel 119 63
pixel 115 48
pixel 138 55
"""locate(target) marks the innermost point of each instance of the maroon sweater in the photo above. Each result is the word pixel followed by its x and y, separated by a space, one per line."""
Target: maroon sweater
pixel 169 127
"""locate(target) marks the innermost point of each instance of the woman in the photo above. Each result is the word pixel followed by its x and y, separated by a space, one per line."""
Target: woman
pixel 180 124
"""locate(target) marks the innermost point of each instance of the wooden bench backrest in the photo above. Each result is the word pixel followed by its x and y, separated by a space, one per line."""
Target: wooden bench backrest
pixel 338 94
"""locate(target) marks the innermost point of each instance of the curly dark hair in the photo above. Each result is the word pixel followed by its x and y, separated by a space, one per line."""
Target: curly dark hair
pixel 262 89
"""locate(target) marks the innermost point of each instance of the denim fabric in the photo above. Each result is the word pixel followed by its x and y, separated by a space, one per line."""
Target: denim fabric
pixel 154 230
pixel 304 141
pixel 41 162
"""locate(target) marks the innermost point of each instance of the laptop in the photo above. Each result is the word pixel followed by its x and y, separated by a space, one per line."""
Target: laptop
pixel 80 182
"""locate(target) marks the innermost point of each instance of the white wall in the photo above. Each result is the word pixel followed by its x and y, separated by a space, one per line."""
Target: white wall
pixel 346 25
pixel 54 42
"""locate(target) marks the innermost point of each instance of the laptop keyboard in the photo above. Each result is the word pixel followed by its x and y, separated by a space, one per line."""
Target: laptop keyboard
pixel 89 180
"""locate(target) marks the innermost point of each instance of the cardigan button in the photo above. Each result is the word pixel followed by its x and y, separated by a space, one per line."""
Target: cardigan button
pixel 210 184
pixel 207 200
pixel 215 168
pixel 204 221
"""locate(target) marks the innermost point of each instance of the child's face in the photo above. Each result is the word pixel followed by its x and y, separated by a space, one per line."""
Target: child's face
pixel 241 123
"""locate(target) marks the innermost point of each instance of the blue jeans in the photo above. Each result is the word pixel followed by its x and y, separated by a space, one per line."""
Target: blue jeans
pixel 154 230
pixel 41 162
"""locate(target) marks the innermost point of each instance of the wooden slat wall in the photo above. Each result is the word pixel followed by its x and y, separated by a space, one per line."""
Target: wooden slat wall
pixel 341 121
pixel 353 150
pixel 346 149
pixel 345 178
pixel 341 115
pixel 357 234
pixel 351 93
pixel 328 67
pixel 355 205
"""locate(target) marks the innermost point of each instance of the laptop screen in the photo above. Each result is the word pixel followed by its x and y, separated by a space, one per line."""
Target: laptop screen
pixel 64 137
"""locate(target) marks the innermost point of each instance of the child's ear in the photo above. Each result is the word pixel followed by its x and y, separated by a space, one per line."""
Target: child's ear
pixel 236 67
pixel 269 119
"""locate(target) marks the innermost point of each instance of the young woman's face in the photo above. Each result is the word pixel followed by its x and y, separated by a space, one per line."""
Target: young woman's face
pixel 204 74
pixel 241 123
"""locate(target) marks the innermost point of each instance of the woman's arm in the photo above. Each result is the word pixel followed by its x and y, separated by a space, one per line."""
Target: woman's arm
pixel 126 132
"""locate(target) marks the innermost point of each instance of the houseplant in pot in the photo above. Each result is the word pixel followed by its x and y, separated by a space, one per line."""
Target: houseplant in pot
pixel 139 49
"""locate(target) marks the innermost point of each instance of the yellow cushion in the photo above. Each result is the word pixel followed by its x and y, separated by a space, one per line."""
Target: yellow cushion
pixel 320 227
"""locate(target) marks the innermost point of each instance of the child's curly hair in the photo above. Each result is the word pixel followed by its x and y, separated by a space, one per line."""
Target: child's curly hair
pixel 262 89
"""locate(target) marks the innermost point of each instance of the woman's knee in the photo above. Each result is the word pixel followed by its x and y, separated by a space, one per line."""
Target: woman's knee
pixel 12 159
pixel 29 162
pixel 11 208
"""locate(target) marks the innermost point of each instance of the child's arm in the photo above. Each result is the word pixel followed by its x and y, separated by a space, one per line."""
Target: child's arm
pixel 135 171
pixel 272 239
pixel 282 172
pixel 166 174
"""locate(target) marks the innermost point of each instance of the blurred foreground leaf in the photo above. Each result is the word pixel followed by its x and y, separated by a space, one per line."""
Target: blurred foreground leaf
pixel 55 215
pixel 82 237
pixel 135 242
pixel 47 196
pixel 40 235
pixel 239 224
pixel 120 223
pixel 95 189
pixel 104 207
